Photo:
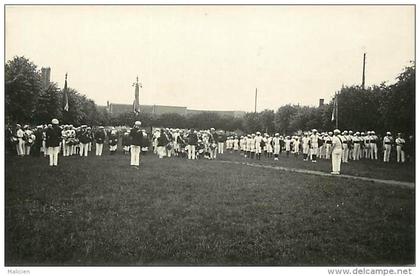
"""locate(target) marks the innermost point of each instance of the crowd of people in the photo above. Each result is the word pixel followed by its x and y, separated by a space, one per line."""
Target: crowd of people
pixel 340 147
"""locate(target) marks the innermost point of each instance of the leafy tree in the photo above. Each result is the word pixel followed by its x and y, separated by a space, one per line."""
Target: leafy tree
pixel 48 105
pixel 283 118
pixel 22 89
pixel 252 122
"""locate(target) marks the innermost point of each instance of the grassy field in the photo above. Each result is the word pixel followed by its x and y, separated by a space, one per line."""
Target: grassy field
pixel 100 211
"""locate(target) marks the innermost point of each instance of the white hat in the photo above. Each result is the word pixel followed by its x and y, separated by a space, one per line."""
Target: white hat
pixel 258 132
pixel 314 130
pixel 336 131
pixel 388 133
pixel 137 123
pixel 54 121
pixel 277 134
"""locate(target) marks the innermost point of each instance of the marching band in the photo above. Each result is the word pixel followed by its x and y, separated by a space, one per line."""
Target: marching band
pixel 193 144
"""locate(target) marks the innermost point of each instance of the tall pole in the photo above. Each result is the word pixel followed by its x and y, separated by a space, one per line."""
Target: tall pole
pixel 363 76
pixel 336 110
pixel 255 108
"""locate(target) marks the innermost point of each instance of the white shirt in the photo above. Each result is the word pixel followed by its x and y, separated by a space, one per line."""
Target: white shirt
pixel 314 140
pixel 337 146
pixel 276 141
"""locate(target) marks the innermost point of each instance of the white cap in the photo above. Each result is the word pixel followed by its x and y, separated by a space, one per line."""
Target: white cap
pixel 388 133
pixel 54 121
pixel 137 123
pixel 336 131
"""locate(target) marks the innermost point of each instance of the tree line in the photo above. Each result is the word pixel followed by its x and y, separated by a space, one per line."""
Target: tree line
pixel 379 107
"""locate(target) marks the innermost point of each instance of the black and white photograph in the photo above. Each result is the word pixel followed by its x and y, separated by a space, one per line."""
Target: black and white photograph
pixel 206 136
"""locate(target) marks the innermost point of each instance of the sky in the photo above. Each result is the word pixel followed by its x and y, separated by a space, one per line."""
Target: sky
pixel 213 57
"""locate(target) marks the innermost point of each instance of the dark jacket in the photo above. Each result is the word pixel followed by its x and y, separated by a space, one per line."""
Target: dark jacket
pixel 192 139
pixel 163 140
pixel 53 136
pixel 221 138
pixel 136 135
pixel 84 137
pixel 100 136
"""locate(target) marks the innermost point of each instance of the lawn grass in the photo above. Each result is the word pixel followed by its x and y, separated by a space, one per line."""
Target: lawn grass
pixel 100 211
pixel 364 167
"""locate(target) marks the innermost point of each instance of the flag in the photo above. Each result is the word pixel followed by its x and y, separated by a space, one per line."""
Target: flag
pixel 136 105
pixel 66 96
pixel 334 112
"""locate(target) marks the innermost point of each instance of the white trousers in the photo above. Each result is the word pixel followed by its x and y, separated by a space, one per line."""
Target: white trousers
pixel 400 154
pixel 135 155
pixel 113 148
pixel 345 153
pixel 44 148
pixel 328 151
pixel 64 145
pixel 373 151
pixel 276 149
pixel 191 151
pixel 84 149
pixel 213 153
pixel 99 148
pixel 258 149
pixel 336 160
pixel 161 151
pixel 27 149
pixel 387 153
pixel 314 150
pixel 53 153
pixel 356 152
pixel 20 147
pixel 220 147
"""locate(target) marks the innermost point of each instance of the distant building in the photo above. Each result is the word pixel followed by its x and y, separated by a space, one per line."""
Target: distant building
pixel 45 76
pixel 115 109
pixel 236 114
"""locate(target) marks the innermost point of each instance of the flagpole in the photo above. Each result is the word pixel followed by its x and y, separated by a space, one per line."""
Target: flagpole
pixel 363 74
pixel 336 110
pixel 255 108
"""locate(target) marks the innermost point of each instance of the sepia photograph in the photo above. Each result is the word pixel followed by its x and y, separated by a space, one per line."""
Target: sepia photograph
pixel 210 135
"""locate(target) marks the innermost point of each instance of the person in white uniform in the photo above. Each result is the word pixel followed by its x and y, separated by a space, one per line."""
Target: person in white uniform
pixel 314 144
pixel 400 142
pixel 328 144
pixel 336 151
pixel 258 148
pixel 387 142
pixel 305 146
pixel 276 146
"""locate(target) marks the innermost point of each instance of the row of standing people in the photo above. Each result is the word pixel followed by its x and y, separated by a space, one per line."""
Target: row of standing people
pixel 313 145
